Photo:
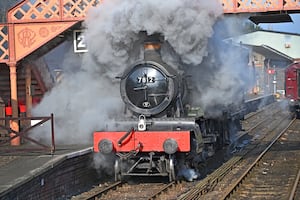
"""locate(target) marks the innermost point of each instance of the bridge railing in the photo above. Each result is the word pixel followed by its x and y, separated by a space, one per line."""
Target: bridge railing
pixel 64 10
pixel 50 10
pixel 75 10
pixel 251 6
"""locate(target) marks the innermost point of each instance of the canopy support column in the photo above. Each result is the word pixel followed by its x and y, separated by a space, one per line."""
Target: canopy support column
pixel 14 125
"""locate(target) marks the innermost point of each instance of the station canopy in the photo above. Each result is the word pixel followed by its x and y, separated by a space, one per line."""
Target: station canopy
pixel 271 44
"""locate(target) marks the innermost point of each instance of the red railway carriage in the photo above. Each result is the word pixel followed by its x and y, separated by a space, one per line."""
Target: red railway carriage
pixel 292 87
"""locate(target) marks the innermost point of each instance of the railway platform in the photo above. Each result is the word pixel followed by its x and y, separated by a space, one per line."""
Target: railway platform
pixel 21 167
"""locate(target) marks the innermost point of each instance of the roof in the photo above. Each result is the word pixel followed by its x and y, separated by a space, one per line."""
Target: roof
pixel 270 18
pixel 271 44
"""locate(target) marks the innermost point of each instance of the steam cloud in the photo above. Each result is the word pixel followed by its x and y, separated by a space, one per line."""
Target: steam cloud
pixel 114 27
pixel 89 94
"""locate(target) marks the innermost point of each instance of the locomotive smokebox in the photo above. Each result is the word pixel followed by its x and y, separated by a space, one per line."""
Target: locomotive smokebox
pixel 150 87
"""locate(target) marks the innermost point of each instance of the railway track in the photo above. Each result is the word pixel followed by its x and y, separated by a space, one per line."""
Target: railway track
pixel 275 173
pixel 253 120
pixel 214 185
pixel 138 190
pixel 260 129
pixel 98 191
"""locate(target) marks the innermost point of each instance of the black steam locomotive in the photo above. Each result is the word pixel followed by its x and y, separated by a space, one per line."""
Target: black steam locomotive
pixel 161 132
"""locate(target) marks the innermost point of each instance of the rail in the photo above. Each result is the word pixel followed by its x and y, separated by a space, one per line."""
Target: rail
pixel 103 191
pixel 209 183
pixel 23 134
pixel 231 189
pixel 163 189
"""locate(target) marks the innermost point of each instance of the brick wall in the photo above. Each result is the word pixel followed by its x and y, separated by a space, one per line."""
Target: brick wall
pixel 71 177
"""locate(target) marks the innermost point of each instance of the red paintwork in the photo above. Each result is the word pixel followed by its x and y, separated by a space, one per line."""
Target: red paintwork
pixel 8 110
pixel 22 108
pixel 21 105
pixel 149 140
pixel 291 80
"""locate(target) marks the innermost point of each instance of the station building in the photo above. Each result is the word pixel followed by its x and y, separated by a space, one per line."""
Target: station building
pixel 272 52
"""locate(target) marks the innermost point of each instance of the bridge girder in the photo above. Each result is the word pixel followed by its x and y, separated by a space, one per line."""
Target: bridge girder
pixel 42 20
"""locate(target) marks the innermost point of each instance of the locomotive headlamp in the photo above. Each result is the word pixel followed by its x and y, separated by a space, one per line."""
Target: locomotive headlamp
pixel 105 146
pixel 170 146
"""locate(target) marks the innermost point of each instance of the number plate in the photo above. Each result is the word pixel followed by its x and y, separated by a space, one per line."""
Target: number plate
pixel 79 42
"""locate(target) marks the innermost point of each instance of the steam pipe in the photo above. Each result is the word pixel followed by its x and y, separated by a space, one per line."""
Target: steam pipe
pixel 125 136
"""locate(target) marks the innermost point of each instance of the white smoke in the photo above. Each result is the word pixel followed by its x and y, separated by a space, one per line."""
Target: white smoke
pixel 222 80
pixel 188 174
pixel 80 106
pixel 84 100
pixel 114 26
pixel 188 27
pixel 89 94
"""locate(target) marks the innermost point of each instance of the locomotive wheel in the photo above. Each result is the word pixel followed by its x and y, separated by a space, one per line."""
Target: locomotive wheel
pixel 172 170
pixel 118 175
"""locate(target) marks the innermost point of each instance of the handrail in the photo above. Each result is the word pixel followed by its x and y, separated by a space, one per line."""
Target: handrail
pixel 24 134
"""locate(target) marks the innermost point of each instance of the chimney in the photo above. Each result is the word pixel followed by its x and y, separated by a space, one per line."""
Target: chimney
pixel 152 45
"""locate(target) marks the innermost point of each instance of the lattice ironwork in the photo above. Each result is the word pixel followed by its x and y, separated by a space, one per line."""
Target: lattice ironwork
pixel 227 4
pixel 242 6
pixel 35 10
pixel 44 10
pixel 258 5
pixel 3 43
pixel 78 8
pixel 289 4
pixel 29 12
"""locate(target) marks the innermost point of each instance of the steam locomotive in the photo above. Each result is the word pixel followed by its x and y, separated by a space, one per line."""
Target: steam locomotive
pixel 161 132
pixel 292 87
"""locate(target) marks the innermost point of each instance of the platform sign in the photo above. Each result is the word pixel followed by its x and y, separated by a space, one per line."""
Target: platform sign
pixel 79 41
